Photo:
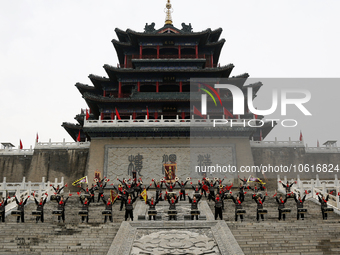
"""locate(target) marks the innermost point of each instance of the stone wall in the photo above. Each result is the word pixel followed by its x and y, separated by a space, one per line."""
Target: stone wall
pixel 111 157
pixel 296 156
pixel 57 163
pixel 14 167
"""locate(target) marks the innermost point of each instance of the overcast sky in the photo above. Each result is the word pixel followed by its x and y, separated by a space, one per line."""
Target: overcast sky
pixel 46 47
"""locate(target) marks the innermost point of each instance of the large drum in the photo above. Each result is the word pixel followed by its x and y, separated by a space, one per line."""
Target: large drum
pixel 285 210
pixel 57 212
pixel 16 213
pixel 195 212
pixel 262 211
pixel 328 210
pixel 36 213
pixel 107 213
pixel 83 213
pixel 172 213
pixel 302 210
pixel 240 211
pixel 152 213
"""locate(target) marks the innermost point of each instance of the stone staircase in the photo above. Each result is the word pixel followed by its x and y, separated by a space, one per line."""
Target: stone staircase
pixel 271 236
pixel 52 237
pixel 311 236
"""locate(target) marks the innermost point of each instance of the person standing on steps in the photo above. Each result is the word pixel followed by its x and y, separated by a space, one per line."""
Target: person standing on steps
pixel 259 203
pixel 152 206
pixel 287 186
pixel 197 190
pixel 61 207
pixel 218 206
pixel 159 187
pixel 122 196
pixel 172 206
pixel 281 206
pixel 182 190
pixel 40 208
pixel 238 206
pixel 299 205
pixel 85 208
pixel 100 187
pixel 108 207
pixel 129 207
pixel 211 190
pixel 241 192
pixel 21 207
pixel 3 204
pixel 323 201
pixel 194 205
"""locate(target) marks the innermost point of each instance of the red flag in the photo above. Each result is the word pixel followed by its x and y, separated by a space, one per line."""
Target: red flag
pixel 117 113
pixel 300 136
pixel 87 114
pixel 147 112
pixel 37 139
pixel 21 147
pixel 255 116
pixel 78 138
pixel 227 113
pixel 197 112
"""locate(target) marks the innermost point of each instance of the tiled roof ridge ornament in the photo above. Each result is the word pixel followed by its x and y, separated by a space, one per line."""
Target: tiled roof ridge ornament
pixel 168 11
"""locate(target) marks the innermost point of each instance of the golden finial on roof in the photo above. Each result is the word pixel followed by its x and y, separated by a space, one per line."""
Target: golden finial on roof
pixel 168 11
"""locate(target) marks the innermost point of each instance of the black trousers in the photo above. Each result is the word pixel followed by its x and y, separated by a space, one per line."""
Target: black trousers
pixel 110 218
pixel 22 216
pixel 157 196
pixel 324 214
pixel 172 217
pixel 121 204
pixel 2 215
pixel 205 193
pixel 258 215
pixel 99 196
pixel 152 216
pixel 241 195
pixel 194 216
pixel 182 196
pixel 236 216
pixel 282 215
pixel 129 213
pixel 211 195
pixel 62 216
pixel 83 218
pixel 218 213
pixel 92 197
pixel 41 217
pixel 298 214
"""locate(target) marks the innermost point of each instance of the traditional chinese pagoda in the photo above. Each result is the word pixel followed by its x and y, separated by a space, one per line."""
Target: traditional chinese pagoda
pixel 151 93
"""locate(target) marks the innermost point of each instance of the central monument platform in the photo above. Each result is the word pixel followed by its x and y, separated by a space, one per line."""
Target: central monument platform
pixel 180 237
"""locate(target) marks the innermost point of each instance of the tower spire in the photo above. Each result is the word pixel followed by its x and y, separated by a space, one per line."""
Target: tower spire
pixel 168 11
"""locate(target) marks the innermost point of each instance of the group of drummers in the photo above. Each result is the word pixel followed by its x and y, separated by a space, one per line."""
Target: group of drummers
pixel 129 190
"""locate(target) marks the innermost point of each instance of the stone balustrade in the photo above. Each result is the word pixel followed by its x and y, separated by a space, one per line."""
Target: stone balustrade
pixel 168 122
pixel 24 189
pixel 315 188
pixel 61 145
pixel 10 151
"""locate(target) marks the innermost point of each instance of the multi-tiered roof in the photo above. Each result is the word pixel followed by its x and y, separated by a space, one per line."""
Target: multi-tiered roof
pixel 152 81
